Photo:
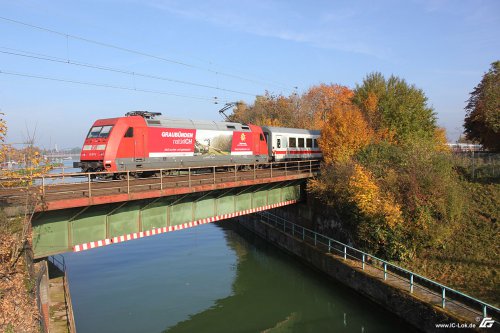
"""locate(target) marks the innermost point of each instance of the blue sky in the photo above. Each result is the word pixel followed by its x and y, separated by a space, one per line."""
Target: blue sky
pixel 248 47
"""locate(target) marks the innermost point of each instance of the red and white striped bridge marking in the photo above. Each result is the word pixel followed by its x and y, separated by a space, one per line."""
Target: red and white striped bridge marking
pixel 157 231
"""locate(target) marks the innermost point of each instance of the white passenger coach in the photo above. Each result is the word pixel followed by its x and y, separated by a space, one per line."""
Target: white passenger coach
pixel 286 144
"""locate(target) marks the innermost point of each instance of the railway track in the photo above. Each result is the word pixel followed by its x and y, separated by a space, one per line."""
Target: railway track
pixel 66 186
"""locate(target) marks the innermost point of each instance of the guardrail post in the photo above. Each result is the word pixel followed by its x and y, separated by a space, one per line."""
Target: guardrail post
pixel 128 181
pixel 315 237
pixel 484 311
pixel 235 169
pixel 329 246
pixel 161 179
pixel 303 233
pixel 310 168
pixel 385 271
pixel 363 261
pixel 411 283
pixel 293 229
pixel 254 171
pixel 286 164
pixel 284 226
pixel 214 175
pixel 90 190
pixel 271 169
pixel 345 252
pixel 189 176
pixel 443 298
pixel 43 185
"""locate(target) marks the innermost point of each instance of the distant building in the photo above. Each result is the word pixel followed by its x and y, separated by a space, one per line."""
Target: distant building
pixel 465 147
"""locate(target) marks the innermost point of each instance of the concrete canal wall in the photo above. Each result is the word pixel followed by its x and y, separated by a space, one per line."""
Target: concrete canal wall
pixel 417 312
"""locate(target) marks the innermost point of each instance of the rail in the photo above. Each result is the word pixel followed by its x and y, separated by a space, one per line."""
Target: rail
pixel 59 262
pixel 43 320
pixel 97 183
pixel 447 295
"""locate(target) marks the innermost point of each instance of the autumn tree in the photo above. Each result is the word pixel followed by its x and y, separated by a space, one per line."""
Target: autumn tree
pixel 267 110
pixel 482 120
pixel 344 129
pixel 31 166
pixel 318 101
pixel 3 128
pixel 309 110
pixel 388 172
pixel 393 106
pixel 3 133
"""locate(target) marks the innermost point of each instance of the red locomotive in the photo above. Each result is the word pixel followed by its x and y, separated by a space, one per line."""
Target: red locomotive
pixel 144 140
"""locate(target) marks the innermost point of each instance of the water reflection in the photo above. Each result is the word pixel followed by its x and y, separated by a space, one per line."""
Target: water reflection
pixel 211 279
pixel 272 293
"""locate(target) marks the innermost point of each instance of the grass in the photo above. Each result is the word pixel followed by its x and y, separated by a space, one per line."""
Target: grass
pixel 469 260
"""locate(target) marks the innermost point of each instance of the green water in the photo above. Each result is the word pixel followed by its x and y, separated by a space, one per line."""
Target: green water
pixel 211 279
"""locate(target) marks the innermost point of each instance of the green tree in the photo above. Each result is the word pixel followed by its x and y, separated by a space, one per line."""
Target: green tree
pixel 482 120
pixel 394 105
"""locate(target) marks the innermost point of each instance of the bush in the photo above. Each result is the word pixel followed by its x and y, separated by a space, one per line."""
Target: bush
pixel 397 199
pixel 425 186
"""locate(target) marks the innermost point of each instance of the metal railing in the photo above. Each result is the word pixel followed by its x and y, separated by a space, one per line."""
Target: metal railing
pixel 39 304
pixel 413 280
pixel 59 262
pixel 478 165
pixel 90 184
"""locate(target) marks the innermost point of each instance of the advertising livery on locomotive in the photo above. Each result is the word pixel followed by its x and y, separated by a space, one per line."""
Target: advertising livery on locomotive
pixel 144 140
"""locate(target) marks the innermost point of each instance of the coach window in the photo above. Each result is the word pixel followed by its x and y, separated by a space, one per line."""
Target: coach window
pixel 301 142
pixel 129 133
pixel 309 143
pixel 315 143
pixel 278 143
pixel 292 142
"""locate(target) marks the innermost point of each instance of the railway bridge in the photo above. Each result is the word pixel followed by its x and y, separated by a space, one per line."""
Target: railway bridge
pixel 80 211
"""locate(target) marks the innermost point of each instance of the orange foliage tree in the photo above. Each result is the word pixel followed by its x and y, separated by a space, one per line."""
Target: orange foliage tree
pixel 309 110
pixel 344 129
pixel 3 133
pixel 386 169
pixel 320 100
pixel 267 110
pixel 387 172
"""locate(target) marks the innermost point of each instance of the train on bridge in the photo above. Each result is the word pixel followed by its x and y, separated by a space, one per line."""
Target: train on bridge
pixel 144 140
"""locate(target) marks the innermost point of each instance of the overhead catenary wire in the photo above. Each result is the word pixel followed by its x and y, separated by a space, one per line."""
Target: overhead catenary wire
pixel 103 85
pixel 44 57
pixel 124 49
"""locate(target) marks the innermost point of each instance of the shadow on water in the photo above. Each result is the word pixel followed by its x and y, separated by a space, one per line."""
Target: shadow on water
pixel 273 292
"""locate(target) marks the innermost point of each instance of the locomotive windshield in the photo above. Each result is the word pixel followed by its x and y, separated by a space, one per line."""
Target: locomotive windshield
pixel 99 132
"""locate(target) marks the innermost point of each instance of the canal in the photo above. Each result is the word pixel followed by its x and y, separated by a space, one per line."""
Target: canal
pixel 212 278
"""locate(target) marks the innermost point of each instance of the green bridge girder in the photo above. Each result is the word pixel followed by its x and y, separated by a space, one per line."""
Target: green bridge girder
pixel 61 230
